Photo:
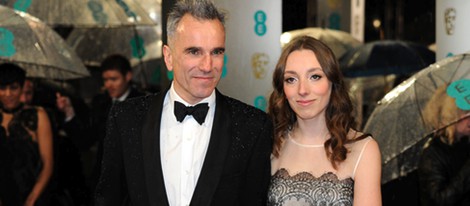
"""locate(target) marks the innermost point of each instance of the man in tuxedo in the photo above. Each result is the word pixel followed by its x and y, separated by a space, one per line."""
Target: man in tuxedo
pixel 190 144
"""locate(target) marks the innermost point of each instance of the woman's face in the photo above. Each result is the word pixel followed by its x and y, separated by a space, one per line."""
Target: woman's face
pixel 10 95
pixel 463 127
pixel 306 86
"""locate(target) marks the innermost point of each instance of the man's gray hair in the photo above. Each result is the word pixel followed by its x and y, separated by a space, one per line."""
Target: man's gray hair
pixel 199 9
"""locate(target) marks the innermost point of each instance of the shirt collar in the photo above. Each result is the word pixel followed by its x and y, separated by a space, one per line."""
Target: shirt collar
pixel 175 97
pixel 123 96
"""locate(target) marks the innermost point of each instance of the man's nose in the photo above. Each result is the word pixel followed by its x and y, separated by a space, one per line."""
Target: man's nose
pixel 206 63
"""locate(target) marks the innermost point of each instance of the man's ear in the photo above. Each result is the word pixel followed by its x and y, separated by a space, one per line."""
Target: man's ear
pixel 128 76
pixel 168 57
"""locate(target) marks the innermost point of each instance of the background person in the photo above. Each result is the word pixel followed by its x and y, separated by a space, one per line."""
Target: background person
pixel 26 144
pixel 88 132
pixel 444 166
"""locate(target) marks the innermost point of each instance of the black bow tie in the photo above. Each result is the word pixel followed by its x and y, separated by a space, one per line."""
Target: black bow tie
pixel 199 111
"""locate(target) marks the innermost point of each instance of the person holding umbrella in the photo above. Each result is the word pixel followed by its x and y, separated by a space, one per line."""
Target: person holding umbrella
pixel 318 158
pixel 444 166
pixel 26 160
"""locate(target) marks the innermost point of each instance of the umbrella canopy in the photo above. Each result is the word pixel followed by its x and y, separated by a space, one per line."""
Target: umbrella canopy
pixel 386 57
pixel 338 41
pixel 81 13
pixel 397 121
pixel 142 43
pixel 31 44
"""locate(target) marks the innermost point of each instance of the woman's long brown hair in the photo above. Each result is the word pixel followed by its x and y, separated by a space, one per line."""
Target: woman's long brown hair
pixel 339 119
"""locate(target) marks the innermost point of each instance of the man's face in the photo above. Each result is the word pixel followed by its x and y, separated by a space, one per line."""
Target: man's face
pixel 115 83
pixel 196 56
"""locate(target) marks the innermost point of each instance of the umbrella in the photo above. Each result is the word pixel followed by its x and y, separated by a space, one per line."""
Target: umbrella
pixel 397 121
pixel 386 57
pixel 112 24
pixel 365 92
pixel 81 13
pixel 339 41
pixel 93 45
pixel 139 43
pixel 29 43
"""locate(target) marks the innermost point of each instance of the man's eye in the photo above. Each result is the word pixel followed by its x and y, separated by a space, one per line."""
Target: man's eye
pixel 194 51
pixel 218 52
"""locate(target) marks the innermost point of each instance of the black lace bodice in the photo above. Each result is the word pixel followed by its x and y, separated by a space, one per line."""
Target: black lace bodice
pixel 20 159
pixel 304 189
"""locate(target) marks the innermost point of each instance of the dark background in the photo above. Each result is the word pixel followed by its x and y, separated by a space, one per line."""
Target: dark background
pixel 401 20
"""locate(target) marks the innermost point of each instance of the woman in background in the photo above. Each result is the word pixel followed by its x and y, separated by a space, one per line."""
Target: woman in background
pixel 318 158
pixel 25 143
pixel 444 167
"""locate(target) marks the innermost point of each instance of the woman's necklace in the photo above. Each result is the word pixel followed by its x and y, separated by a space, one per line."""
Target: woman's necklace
pixel 306 145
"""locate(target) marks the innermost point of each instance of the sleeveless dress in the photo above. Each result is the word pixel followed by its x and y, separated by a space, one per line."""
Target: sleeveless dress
pixel 305 189
pixel 20 159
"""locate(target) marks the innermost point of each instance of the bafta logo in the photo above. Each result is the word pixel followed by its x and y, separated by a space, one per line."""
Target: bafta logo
pixel 259 63
pixel 449 17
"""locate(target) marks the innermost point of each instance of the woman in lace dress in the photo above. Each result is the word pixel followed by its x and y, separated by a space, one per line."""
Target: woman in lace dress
pixel 318 158
pixel 25 144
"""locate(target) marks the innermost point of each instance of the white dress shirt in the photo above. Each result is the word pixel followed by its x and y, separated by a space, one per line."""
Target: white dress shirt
pixel 123 96
pixel 183 148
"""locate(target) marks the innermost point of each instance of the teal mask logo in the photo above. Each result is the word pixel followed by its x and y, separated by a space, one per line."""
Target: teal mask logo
pixel 7 49
pixel 460 90
pixel 224 68
pixel 260 23
pixel 261 103
pixel 335 21
pixel 96 9
pixel 169 75
pixel 137 45
pixel 126 9
pixel 22 5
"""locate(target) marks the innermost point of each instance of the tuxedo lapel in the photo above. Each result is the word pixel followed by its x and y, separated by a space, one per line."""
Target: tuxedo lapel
pixel 216 154
pixel 151 152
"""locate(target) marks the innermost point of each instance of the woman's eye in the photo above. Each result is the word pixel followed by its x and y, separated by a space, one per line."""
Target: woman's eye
pixel 289 80
pixel 315 77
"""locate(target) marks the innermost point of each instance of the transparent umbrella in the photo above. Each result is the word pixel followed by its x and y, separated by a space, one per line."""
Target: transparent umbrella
pixel 397 121
pixel 26 41
pixel 94 45
pixel 101 27
pixel 84 13
pixel 385 57
pixel 338 41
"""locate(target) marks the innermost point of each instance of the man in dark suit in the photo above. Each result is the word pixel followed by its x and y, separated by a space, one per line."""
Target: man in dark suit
pixel 88 132
pixel 154 156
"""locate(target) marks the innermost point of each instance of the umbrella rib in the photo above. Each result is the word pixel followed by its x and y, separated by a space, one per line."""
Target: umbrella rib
pixel 458 66
pixel 48 66
pixel 429 135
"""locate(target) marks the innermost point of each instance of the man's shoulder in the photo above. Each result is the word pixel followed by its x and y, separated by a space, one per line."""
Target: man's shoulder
pixel 240 108
pixel 134 92
pixel 139 102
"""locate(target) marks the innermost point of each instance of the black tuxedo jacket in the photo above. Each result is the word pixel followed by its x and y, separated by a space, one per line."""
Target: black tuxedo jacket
pixel 236 169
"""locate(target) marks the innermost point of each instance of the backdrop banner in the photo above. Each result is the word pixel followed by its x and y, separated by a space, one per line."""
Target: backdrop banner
pixel 358 19
pixel 252 48
pixel 452 27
